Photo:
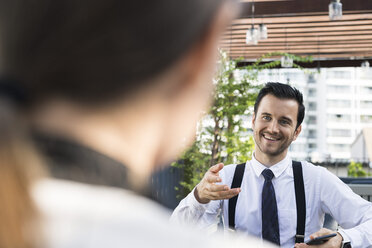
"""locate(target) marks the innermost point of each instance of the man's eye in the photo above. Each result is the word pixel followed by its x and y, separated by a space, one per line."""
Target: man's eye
pixel 283 122
pixel 267 118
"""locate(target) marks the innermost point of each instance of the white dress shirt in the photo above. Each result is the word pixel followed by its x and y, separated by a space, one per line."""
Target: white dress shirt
pixel 77 215
pixel 324 193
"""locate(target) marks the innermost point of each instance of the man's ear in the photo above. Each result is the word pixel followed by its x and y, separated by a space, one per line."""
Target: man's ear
pixel 297 132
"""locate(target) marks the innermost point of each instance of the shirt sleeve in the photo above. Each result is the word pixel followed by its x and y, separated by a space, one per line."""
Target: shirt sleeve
pixel 203 216
pixel 352 212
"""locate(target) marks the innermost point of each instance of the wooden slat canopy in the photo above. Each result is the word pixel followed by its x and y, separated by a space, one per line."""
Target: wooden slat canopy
pixel 303 28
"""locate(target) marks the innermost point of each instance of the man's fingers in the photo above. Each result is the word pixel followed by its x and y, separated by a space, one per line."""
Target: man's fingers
pixel 216 188
pixel 213 179
pixel 226 194
pixel 301 245
pixel 216 168
pixel 321 232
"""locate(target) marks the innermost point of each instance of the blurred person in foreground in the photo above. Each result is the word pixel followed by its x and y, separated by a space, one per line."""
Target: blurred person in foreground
pixel 101 93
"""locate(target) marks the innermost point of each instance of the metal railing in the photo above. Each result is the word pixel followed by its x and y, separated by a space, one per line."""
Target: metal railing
pixel 360 186
pixel 364 190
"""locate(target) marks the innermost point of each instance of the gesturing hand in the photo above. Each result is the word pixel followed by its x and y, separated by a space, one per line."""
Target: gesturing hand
pixel 208 190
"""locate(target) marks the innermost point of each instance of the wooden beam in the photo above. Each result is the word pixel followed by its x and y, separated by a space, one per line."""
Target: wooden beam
pixel 350 33
pixel 346 56
pixel 321 63
pixel 366 42
pixel 314 38
pixel 299 47
pixel 323 18
pixel 299 6
pixel 303 30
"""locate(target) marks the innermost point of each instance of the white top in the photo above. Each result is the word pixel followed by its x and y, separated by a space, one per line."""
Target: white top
pixel 324 193
pixel 78 215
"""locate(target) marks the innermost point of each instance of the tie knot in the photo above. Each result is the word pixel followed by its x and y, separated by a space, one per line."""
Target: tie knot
pixel 268 174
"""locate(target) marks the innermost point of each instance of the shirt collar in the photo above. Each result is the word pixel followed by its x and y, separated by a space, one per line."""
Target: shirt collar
pixel 277 168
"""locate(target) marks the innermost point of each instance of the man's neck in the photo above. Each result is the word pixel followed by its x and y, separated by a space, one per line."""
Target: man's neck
pixel 267 160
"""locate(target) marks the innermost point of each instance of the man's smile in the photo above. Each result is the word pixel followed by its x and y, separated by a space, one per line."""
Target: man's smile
pixel 270 137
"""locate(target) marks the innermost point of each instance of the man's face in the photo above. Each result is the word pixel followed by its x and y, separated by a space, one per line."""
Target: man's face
pixel 274 127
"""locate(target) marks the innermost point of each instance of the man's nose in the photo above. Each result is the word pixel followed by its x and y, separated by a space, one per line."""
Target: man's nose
pixel 274 127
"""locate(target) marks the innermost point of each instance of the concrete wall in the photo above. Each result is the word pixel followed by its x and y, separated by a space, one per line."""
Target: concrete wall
pixel 358 149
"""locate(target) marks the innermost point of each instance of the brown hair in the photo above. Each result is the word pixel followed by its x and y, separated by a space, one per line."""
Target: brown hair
pixel 19 165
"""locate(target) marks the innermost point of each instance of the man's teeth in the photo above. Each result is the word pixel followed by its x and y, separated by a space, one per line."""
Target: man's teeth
pixel 270 138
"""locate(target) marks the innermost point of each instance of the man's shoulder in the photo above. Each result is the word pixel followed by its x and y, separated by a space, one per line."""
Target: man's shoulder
pixel 306 165
pixel 311 171
pixel 230 168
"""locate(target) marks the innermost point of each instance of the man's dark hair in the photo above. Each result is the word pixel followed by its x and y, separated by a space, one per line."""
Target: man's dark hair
pixel 283 91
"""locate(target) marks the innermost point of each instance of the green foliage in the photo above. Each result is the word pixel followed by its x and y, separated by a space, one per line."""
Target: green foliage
pixel 236 92
pixel 356 170
pixel 223 135
pixel 194 163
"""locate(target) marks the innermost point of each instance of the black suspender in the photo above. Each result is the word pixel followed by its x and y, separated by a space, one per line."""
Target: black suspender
pixel 300 198
pixel 237 181
pixel 300 201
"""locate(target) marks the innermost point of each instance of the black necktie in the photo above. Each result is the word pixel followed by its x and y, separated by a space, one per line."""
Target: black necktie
pixel 270 224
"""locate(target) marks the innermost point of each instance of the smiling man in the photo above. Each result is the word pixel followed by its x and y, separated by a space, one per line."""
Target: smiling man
pixel 273 197
pixel 275 126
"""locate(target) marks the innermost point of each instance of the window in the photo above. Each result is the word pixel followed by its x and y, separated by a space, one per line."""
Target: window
pixel 339 103
pixel 312 134
pixel 338 89
pixel 338 133
pixel 312 106
pixel 312 92
pixel 366 90
pixel 311 79
pixel 338 148
pixel 366 104
pixel 366 118
pixel 339 74
pixel 312 146
pixel 341 118
pixel 311 120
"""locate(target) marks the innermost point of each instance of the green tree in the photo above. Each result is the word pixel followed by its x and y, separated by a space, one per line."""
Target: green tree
pixel 356 170
pixel 223 135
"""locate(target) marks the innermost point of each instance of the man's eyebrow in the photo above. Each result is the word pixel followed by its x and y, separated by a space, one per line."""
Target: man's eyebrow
pixel 287 119
pixel 265 113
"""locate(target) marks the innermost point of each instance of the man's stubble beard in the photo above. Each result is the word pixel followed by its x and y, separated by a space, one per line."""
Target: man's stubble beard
pixel 279 151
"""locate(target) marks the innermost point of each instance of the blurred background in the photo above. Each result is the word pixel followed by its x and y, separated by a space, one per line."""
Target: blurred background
pixel 321 47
